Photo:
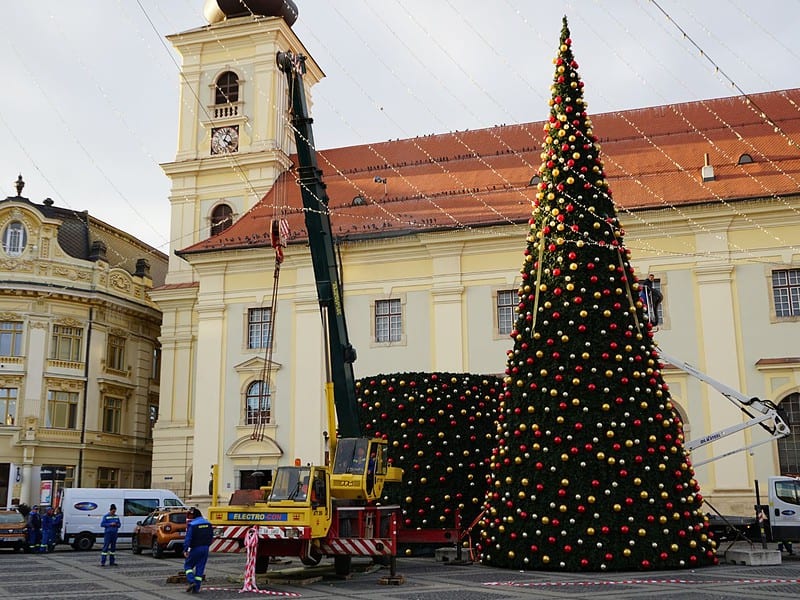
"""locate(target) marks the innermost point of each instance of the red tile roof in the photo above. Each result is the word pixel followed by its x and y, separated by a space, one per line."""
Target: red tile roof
pixel 652 159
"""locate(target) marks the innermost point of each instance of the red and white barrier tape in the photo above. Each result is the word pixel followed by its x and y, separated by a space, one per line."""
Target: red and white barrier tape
pixel 264 592
pixel 251 544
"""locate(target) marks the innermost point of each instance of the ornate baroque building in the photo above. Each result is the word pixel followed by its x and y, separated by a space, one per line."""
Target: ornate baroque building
pixel 431 231
pixel 79 352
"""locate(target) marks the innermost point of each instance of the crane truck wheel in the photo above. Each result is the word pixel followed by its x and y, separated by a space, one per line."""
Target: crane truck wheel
pixel 341 565
pixel 262 564
pixel 312 556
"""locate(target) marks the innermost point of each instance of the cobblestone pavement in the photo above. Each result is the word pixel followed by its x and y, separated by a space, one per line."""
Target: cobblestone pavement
pixel 78 575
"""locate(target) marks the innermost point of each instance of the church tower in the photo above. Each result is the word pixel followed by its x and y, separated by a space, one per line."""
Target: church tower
pixel 233 137
pixel 234 140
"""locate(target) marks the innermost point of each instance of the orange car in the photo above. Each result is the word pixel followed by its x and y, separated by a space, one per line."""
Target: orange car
pixel 13 532
pixel 162 531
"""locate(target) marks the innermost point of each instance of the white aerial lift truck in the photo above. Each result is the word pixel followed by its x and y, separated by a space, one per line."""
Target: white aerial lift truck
pixel 778 521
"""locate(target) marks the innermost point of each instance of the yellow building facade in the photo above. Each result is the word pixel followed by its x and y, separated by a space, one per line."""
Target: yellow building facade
pixel 444 289
pixel 79 353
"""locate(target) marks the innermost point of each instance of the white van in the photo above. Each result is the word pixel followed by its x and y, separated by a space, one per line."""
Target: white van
pixel 84 509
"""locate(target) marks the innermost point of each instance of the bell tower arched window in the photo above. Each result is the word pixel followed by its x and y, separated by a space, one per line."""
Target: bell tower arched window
pixel 221 218
pixel 227 89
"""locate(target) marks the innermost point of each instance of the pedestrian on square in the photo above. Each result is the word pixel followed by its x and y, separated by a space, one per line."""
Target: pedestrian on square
pixel 34 529
pixel 110 525
pixel 48 531
pixel 58 521
pixel 199 535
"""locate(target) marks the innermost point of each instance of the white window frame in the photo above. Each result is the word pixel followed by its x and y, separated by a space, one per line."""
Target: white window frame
pixel 398 326
pixel 251 415
pixel 790 302
pixel 264 327
pixel 15 238
pixel 501 309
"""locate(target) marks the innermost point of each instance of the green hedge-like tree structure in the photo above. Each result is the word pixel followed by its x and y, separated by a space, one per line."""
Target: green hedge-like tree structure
pixel 589 470
pixel 440 428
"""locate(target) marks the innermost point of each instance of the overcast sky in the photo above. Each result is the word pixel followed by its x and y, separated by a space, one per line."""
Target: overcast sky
pixel 89 103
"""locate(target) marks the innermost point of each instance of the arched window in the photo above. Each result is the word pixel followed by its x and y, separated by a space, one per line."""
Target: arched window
pixel 258 401
pixel 789 446
pixel 221 218
pixel 227 88
pixel 15 238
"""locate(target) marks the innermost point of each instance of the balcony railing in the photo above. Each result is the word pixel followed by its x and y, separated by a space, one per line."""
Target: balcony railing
pixel 64 364
pixel 226 111
pixel 47 434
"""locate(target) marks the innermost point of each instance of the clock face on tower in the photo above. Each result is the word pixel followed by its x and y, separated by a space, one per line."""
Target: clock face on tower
pixel 225 139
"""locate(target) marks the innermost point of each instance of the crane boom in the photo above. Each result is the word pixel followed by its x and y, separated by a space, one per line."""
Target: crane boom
pixel 768 417
pixel 341 353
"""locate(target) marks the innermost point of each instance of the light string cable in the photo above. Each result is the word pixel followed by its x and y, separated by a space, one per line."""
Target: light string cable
pixel 522 78
pixel 54 106
pixel 768 33
pixel 124 261
pixel 680 168
pixel 652 226
pixel 287 121
pixel 231 159
pixel 474 153
pixel 683 170
pixel 362 192
pixel 455 135
pixel 703 184
pixel 748 102
pixel 747 98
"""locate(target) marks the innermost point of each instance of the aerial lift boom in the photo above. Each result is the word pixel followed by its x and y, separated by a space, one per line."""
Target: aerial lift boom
pixel 761 412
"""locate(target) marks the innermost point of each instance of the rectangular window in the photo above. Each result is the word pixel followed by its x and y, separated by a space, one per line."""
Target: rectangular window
pixel 112 414
pixel 259 326
pixel 62 409
pixel 786 292
pixel 155 373
pixel 67 342
pixel 107 477
pixel 8 406
pixel 388 321
pixel 115 353
pixel 69 478
pixel 10 338
pixel 506 310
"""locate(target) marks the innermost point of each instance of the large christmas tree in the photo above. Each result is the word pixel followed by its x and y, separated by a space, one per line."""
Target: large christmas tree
pixel 589 469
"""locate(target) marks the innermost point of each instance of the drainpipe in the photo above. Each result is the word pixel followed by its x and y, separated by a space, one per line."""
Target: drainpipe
pixel 79 478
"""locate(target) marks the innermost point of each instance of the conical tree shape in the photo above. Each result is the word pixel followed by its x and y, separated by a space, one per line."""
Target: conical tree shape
pixel 589 469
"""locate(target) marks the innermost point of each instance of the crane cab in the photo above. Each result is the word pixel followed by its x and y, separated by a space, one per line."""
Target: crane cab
pixel 361 468
pixel 300 495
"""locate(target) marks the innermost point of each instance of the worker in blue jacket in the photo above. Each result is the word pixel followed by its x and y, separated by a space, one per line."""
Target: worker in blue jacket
pixel 199 534
pixel 110 524
pixel 48 532
pixel 34 526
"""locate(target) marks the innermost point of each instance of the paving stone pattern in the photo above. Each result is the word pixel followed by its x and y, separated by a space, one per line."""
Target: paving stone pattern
pixel 77 575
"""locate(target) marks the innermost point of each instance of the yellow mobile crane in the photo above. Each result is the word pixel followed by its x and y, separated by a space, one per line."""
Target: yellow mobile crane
pixel 311 511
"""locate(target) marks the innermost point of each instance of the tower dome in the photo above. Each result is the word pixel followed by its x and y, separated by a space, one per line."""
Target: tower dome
pixel 218 10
